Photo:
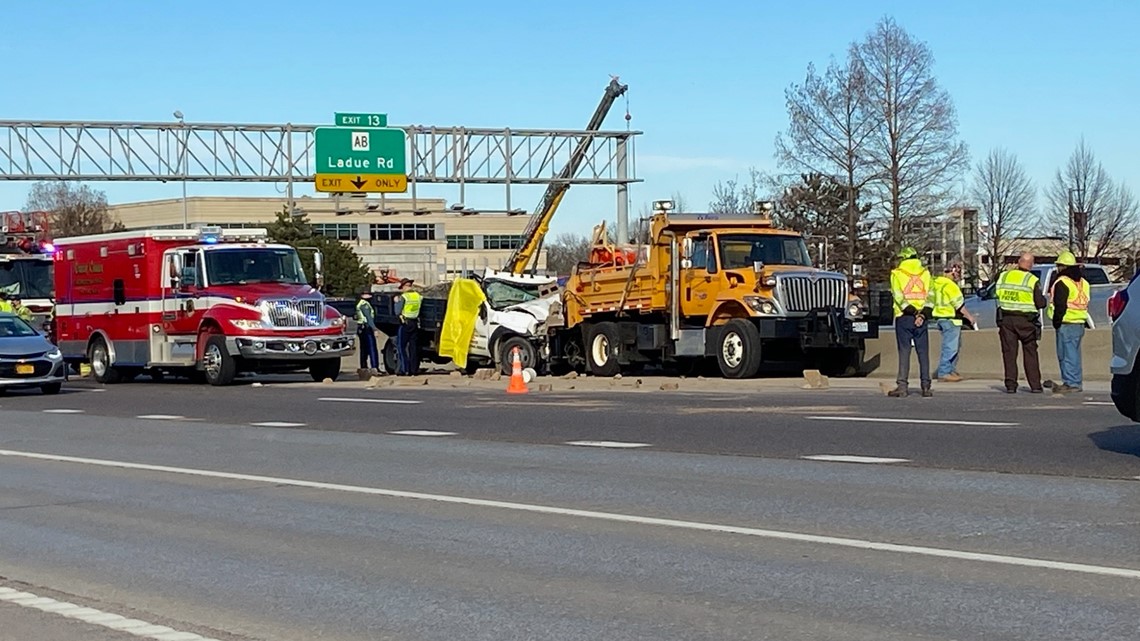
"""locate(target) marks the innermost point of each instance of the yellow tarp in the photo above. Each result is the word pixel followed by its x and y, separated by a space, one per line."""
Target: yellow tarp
pixel 459 321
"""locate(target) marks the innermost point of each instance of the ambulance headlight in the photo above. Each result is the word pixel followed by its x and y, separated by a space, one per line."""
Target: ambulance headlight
pixel 247 324
pixel 339 321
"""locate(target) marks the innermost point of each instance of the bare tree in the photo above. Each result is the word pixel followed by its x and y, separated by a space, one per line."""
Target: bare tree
pixel 1086 205
pixel 565 252
pixel 680 203
pixel 735 197
pixel 915 148
pixel 1005 196
pixel 828 133
pixel 75 210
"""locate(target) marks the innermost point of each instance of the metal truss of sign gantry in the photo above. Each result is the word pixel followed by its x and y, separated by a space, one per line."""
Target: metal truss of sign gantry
pixel 218 152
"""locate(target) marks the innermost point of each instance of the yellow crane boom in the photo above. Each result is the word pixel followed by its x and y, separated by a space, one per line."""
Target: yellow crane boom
pixel 539 224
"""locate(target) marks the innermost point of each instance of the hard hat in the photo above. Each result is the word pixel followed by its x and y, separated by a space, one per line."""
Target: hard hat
pixel 907 252
pixel 1067 259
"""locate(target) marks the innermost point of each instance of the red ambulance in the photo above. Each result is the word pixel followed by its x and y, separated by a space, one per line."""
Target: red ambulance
pixel 208 303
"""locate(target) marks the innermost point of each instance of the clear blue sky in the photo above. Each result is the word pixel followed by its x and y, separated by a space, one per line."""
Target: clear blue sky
pixel 706 79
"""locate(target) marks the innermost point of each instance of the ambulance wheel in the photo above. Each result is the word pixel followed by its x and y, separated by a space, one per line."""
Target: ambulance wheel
pixel 602 350
pixel 738 353
pixel 219 367
pixel 327 368
pixel 100 358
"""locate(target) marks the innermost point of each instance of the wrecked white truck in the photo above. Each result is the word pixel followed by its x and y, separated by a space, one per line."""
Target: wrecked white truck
pixel 514 315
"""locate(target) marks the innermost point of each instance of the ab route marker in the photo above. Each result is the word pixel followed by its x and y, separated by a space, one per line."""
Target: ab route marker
pixel 361 155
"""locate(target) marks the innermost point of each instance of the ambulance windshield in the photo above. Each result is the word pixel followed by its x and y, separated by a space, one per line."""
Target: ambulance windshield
pixel 240 266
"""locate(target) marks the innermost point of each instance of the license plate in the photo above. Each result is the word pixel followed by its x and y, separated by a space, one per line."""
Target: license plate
pixel 25 369
pixel 859 327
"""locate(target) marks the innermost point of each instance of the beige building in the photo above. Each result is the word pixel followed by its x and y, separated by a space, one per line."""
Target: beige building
pixel 427 242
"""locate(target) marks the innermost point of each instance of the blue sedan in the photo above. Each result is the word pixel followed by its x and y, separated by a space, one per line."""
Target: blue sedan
pixel 27 358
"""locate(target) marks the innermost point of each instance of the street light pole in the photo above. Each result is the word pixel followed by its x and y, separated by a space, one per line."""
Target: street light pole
pixel 1072 211
pixel 182 166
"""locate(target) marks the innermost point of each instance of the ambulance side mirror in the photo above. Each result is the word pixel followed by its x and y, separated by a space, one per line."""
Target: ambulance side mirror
pixel 319 268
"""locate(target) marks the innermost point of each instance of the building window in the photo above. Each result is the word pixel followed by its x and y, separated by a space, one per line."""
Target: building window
pixel 461 242
pixel 501 241
pixel 406 231
pixel 338 231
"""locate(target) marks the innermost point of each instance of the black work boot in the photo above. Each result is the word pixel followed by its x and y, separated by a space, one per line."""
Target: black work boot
pixel 926 393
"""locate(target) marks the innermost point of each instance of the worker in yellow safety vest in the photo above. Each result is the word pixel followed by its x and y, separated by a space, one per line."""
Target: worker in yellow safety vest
pixel 1069 310
pixel 366 331
pixel 910 289
pixel 410 302
pixel 948 310
pixel 1019 297
pixel 5 306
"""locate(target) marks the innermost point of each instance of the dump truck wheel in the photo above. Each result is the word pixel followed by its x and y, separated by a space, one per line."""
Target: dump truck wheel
pixel 391 360
pixel 602 350
pixel 738 353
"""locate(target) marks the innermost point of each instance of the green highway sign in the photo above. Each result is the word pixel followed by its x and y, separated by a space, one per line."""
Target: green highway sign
pixel 361 150
pixel 361 120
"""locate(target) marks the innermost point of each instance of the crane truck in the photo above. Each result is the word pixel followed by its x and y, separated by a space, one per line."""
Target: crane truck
pixel 730 287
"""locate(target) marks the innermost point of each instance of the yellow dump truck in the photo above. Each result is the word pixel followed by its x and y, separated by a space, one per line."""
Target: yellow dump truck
pixel 732 287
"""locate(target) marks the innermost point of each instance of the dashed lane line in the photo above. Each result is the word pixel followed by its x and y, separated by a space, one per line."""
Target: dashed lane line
pixel 166 417
pixel 277 424
pixel 848 458
pixel 136 627
pixel 421 433
pixel 612 444
pixel 349 399
pixel 779 535
pixel 63 411
pixel 1098 403
pixel 911 421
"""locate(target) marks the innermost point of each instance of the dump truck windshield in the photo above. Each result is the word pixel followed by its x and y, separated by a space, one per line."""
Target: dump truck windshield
pixel 26 278
pixel 240 266
pixel 741 251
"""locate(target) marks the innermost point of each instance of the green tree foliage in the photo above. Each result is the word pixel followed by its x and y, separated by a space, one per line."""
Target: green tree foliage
pixel 818 207
pixel 345 273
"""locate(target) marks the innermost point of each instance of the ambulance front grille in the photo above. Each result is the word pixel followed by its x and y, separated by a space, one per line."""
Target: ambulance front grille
pixel 295 313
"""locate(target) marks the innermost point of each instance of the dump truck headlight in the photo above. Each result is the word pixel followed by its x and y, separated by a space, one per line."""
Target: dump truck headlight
pixel 760 304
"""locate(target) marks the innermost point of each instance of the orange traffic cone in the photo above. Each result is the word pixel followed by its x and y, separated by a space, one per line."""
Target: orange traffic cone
pixel 518 384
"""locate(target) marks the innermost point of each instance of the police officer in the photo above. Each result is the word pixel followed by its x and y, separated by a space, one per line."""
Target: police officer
pixel 19 310
pixel 1019 298
pixel 366 331
pixel 910 288
pixel 1069 311
pixel 410 302
pixel 948 310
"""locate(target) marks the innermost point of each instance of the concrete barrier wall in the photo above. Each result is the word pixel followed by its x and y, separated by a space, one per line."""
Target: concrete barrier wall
pixel 980 355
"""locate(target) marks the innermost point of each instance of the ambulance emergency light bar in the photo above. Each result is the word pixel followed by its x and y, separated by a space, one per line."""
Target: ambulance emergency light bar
pixel 212 234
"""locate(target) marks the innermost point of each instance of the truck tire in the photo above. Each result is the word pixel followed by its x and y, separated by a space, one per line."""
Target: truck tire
pixel 99 355
pixel 527 354
pixel 326 368
pixel 602 350
pixel 738 351
pixel 219 367
pixel 391 360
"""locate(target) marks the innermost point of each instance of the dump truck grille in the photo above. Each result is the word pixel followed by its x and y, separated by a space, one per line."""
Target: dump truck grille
pixel 295 313
pixel 804 293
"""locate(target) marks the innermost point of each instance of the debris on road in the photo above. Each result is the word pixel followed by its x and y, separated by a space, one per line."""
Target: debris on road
pixel 815 380
pixel 665 387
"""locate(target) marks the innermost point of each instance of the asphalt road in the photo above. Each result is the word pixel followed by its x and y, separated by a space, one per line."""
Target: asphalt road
pixel 492 527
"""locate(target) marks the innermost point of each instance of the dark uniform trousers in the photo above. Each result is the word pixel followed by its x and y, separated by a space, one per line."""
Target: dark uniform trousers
pixel 1013 330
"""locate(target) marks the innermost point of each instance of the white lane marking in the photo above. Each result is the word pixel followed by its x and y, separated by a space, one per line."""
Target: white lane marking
pixel 846 458
pixel 98 617
pixel 912 421
pixel 166 417
pixel 614 444
pixel 1099 403
pixel 860 544
pixel 277 424
pixel 422 433
pixel 368 400
pixel 63 411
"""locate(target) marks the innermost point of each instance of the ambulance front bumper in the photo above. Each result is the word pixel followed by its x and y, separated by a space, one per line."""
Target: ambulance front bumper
pixel 291 349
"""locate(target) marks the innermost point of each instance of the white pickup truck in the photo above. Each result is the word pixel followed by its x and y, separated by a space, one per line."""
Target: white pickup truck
pixel 984 305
